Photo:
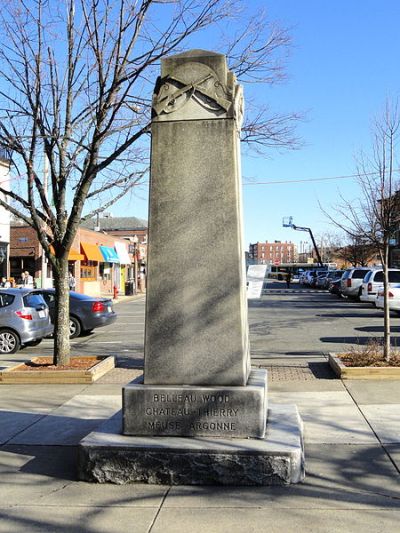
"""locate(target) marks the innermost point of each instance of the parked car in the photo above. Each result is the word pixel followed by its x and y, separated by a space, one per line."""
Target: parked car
pixel 334 287
pixel 351 281
pixel 24 319
pixel 85 312
pixel 373 282
pixel 394 299
pixel 309 277
pixel 303 276
pixel 318 278
pixel 315 274
pixel 323 282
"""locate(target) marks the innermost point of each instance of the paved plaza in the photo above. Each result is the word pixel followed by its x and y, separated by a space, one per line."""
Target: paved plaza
pixel 352 435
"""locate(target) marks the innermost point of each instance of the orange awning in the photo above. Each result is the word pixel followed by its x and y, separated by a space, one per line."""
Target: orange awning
pixel 92 252
pixel 75 255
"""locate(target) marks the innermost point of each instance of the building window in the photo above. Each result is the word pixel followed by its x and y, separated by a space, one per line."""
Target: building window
pixel 88 270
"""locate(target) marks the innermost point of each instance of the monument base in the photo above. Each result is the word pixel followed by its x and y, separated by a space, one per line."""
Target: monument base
pixel 197 411
pixel 107 456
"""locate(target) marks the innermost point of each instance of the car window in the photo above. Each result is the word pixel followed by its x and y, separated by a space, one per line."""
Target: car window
pixel 378 276
pixel 49 297
pixel 32 300
pixel 346 274
pixel 359 274
pixel 394 276
pixel 6 299
pixel 367 277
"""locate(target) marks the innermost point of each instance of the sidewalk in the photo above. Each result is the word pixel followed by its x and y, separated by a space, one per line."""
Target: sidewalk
pixel 124 298
pixel 352 446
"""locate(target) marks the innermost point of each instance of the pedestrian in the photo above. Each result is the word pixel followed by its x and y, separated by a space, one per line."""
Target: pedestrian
pixel 28 280
pixel 288 279
pixel 71 281
pixel 5 283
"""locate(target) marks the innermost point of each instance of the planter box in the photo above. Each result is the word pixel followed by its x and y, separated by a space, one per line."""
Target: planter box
pixel 362 372
pixel 13 375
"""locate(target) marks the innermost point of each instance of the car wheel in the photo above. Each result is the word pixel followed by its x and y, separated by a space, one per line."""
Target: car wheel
pixel 33 343
pixel 9 341
pixel 74 327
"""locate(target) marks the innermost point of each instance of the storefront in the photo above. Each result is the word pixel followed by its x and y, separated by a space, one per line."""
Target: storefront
pixel 111 267
pixel 89 269
pixel 127 273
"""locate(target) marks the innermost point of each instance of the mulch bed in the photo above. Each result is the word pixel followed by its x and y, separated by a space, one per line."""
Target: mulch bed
pixel 369 359
pixel 46 363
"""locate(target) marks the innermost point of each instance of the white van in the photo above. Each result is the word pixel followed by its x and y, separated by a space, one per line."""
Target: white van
pixel 351 281
pixel 373 282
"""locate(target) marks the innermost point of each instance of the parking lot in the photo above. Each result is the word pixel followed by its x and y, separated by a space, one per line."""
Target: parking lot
pixel 303 325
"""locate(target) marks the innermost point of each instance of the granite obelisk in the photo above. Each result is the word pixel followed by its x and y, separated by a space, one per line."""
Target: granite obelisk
pixel 196 316
pixel 197 378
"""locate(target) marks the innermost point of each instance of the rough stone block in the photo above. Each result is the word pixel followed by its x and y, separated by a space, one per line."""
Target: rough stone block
pixel 107 456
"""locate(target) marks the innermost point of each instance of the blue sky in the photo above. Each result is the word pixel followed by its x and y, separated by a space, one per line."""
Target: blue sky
pixel 342 67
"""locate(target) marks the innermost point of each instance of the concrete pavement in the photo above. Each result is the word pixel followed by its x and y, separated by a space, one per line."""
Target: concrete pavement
pixel 352 444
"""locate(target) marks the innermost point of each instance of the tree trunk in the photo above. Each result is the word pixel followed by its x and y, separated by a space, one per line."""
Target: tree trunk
pixel 61 319
pixel 386 328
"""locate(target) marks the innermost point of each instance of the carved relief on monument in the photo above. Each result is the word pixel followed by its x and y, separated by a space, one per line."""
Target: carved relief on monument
pixel 194 92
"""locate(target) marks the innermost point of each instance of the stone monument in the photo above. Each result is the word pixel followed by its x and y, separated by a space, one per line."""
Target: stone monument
pixel 200 414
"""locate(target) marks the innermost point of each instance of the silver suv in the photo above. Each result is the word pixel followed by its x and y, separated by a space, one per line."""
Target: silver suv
pixel 351 281
pixel 24 319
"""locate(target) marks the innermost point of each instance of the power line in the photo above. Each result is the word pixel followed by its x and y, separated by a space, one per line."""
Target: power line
pixel 314 179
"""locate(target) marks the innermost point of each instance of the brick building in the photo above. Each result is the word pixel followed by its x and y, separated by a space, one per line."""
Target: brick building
pixel 276 252
pixel 98 261
pixel 132 229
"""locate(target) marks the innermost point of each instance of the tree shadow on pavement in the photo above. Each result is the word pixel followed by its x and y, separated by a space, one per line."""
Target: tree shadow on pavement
pixel 378 329
pixel 356 340
pixel 351 315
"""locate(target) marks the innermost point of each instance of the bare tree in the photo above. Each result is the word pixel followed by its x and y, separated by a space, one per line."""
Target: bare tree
pixel 357 252
pixel 75 94
pixel 374 217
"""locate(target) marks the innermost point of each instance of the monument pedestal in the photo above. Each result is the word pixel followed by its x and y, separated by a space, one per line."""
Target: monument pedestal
pixel 107 456
pixel 195 411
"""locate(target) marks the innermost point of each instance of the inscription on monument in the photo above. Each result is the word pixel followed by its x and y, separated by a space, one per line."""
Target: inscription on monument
pixel 194 411
pixel 204 412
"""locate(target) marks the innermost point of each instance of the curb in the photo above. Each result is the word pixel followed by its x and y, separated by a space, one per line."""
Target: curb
pixel 132 298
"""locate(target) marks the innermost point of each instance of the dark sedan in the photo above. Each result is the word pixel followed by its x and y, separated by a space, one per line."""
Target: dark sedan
pixel 85 312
